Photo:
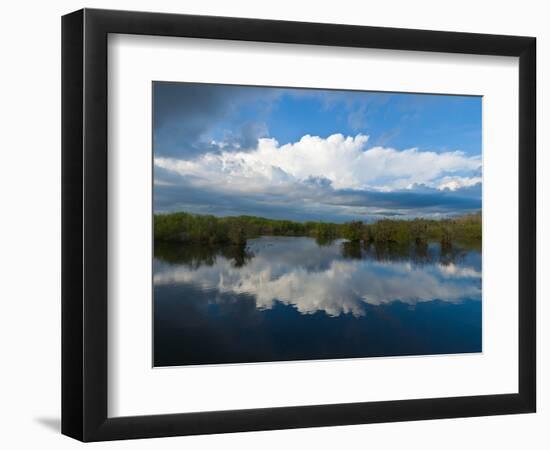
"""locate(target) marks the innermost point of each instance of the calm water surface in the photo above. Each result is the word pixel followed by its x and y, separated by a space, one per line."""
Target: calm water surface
pixel 292 298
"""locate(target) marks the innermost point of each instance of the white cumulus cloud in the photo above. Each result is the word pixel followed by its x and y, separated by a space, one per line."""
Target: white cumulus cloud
pixel 344 162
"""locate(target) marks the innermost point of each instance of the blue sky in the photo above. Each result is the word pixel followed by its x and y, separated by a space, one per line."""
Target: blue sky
pixel 306 154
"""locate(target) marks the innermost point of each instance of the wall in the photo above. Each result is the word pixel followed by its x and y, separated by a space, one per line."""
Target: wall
pixel 30 236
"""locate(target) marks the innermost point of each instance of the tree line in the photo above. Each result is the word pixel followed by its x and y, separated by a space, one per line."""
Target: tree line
pixel 209 229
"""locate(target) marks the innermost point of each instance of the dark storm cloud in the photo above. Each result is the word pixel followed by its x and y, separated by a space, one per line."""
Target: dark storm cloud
pixel 312 199
pixel 185 115
pixel 170 198
pixel 443 200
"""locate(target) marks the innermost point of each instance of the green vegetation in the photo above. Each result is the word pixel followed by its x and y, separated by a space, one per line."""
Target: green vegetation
pixel 208 229
pixel 195 255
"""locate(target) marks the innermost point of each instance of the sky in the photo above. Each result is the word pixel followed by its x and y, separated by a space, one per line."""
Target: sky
pixel 312 154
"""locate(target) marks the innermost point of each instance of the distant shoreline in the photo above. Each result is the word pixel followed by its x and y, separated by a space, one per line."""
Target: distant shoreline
pixel 183 227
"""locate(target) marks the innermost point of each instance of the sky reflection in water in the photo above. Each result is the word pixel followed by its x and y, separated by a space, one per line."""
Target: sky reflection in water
pixel 286 298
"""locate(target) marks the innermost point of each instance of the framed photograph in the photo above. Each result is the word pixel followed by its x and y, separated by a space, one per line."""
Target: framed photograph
pixel 273 224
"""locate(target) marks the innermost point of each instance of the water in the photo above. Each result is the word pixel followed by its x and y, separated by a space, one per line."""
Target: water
pixel 292 298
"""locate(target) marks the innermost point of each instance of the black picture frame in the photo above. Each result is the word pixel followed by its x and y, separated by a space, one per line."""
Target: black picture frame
pixel 84 224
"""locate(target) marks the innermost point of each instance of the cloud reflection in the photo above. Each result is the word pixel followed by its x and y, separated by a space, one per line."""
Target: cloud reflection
pixel 298 272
